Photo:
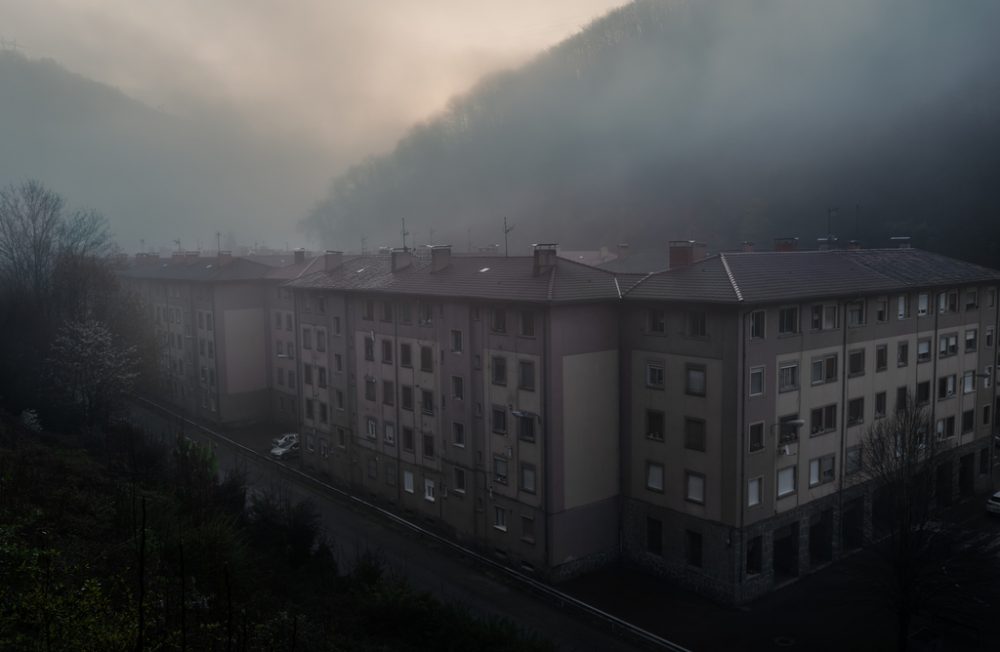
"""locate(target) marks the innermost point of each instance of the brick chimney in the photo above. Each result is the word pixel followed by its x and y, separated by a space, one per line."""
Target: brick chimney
pixel 440 257
pixel 332 260
pixel 682 253
pixel 786 244
pixel 300 255
pixel 545 258
pixel 401 259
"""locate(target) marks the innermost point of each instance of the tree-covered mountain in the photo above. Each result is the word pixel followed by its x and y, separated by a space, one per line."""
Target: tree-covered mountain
pixel 721 120
pixel 155 176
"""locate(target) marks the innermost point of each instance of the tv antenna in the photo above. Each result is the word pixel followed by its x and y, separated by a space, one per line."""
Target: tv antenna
pixel 404 232
pixel 506 230
pixel 178 243
pixel 218 241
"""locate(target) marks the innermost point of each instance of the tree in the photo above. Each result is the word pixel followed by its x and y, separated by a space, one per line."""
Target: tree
pixel 922 565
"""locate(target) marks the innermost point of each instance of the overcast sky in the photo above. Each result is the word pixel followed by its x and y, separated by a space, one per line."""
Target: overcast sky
pixel 353 73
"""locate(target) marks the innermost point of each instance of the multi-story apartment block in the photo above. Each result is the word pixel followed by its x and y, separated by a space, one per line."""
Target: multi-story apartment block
pixel 702 421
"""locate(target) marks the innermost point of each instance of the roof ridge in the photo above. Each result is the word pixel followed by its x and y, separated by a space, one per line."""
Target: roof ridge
pixel 731 277
pixel 644 278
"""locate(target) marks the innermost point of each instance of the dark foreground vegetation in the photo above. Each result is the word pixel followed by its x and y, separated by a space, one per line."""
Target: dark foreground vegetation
pixel 111 542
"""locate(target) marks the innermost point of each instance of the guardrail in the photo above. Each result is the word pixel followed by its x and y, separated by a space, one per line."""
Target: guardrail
pixel 564 599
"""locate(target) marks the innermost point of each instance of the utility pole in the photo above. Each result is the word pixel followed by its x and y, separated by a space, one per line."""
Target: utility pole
pixel 506 230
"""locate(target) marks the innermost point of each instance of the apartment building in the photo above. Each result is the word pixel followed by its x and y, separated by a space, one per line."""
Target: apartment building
pixel 749 379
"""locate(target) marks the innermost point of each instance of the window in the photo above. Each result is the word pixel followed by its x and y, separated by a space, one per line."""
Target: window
pixel 821 470
pixel 338 362
pixel 923 350
pixel 922 304
pixel 321 340
pixel 500 519
pixel 408 439
pixel 968 421
pixel 754 491
pixel 457 387
pixel 968 382
pixel 824 369
pixel 406 397
pixel 855 411
pixel 372 468
pixel 786 481
pixel 527 323
pixel 387 351
pixel 903 306
pixel 389 433
pixel 758 324
pixel 528 478
pixel 368 311
pixel 499 321
pixel 754 555
pixel 654 374
pixel 428 490
pixel 695 380
pixel 945 427
pixel 947 345
pixel 526 427
pixel 971 299
pixel 856 362
pixel 291 379
pixel 388 392
pixel 692 548
pixel 341 437
pixel 823 318
pixel 339 399
pixel 989 337
pixel 458 434
pixel 390 473
pixel 456 341
pixel 788 321
pixel 405 355
pixel 307 374
pixel 426 358
pixel 822 420
pixel 880 404
pixel 756 381
pixel 948 301
pixel 946 386
pixel 526 375
pixel 428 445
pixel 902 353
pixel 458 480
pixel 369 349
pixel 881 310
pixel 755 436
pixel 697 324
pixel 986 415
pixel 369 389
pixel 881 357
pixel 279 377
pixel 901 398
pixel 656 321
pixel 694 487
pixel 970 340
pixel 499 419
pixel 499 367
pixel 321 377
pixel 856 313
pixel 306 338
pixel 408 481
pixel 427 401
pixel 984 461
pixel 654 476
pixel 852 463
pixel 923 392
pixel 788 376
pixel 336 325
pixel 371 427
pixel 694 434
pixel 500 469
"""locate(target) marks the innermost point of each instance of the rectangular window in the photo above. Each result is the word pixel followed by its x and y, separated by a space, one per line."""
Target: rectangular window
pixel 387 351
pixel 968 382
pixel 824 369
pixel 321 340
pixel 692 548
pixel 339 399
pixel 947 345
pixel 306 338
pixel 754 491
pixel 526 375
pixel 389 433
pixel 527 323
pixel 970 340
pixel 758 324
pixel 986 415
pixel 903 306
pixel 971 299
pixel 369 389
pixel 968 421
pixel 946 386
pixel 309 408
pixel 855 411
pixel 923 350
pixel 881 310
pixel 498 419
pixel 500 519
pixel 500 469
pixel 655 424
pixel 307 374
pixel 902 353
pixel 527 478
pixel 923 396
pixel 654 476
pixel 755 436
pixel 458 480
pixel 788 320
pixel 852 463
pixel 388 392
pixel 457 387
pixel 369 349
pixel 499 368
pixel 788 376
pixel 786 481
pixel 880 405
pixel 428 445
pixel 654 374
pixel 695 380
pixel 371 427
pixel 821 470
pixel 405 355
pixel 386 311
pixel 694 434
pixel 408 481
pixel 291 379
pixel 426 358
pixel 697 325
pixel 406 397
pixel 427 401
pixel 456 341
pixel 948 301
pixel 526 427
pixel 945 427
pixel 279 377
pixel 694 487
pixel 822 420
pixel 856 313
pixel 321 377
pixel 656 321
pixel 756 381
pixel 458 434
pixel 368 310
pixel 499 322
pixel 338 362
pixel 336 325
pixel 989 337
pixel 654 536
pixel 922 304
pixel 407 439
pixel 856 362
pixel 881 357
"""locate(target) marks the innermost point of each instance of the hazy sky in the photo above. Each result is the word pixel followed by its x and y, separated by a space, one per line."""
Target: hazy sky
pixel 353 73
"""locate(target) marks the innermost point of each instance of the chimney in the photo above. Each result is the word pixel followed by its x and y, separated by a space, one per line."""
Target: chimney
pixel 545 258
pixel 786 244
pixel 747 245
pixel 300 255
pixel 682 253
pixel 401 259
pixel 332 260
pixel 440 257
pixel 900 241
pixel 854 245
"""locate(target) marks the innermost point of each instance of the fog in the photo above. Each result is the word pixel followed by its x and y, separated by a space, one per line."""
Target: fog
pixel 717 120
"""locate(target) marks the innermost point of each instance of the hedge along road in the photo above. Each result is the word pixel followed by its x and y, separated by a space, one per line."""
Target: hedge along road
pixel 353 526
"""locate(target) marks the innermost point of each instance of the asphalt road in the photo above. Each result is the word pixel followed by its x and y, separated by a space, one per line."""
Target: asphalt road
pixel 428 566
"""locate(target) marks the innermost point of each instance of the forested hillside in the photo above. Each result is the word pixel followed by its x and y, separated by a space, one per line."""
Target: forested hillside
pixel 721 120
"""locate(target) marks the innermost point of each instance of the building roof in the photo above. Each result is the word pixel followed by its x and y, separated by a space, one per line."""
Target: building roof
pixel 770 276
pixel 495 278
pixel 208 269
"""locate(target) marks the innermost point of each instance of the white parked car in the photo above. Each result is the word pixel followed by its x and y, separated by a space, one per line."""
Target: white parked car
pixel 285 452
pixel 285 440
pixel 993 504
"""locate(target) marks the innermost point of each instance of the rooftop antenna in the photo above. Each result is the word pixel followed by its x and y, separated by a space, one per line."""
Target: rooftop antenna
pixel 178 243
pixel 142 245
pixel 218 241
pixel 431 233
pixel 506 230
pixel 404 232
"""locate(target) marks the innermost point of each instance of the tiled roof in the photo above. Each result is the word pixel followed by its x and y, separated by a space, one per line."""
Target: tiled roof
pixel 769 276
pixel 482 277
pixel 201 268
